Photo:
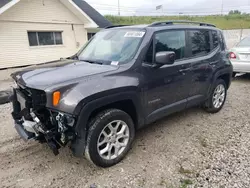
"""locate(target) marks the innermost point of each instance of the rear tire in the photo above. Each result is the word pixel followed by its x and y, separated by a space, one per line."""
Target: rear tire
pixel 217 97
pixel 110 137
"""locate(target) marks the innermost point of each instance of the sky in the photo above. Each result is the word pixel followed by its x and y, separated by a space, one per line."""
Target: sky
pixel 169 7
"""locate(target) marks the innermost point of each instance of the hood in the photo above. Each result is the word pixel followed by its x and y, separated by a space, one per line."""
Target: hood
pixel 47 75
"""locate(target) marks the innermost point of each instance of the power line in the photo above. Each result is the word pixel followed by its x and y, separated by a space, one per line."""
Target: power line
pixel 113 8
pixel 109 5
pixel 169 11
pixel 200 11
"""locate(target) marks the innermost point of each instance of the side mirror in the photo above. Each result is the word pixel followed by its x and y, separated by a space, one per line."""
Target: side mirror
pixel 165 58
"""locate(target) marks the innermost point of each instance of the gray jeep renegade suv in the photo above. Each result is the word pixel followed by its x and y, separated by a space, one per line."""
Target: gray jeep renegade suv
pixel 124 78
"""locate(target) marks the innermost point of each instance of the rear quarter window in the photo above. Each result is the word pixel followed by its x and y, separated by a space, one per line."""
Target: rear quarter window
pixel 215 39
pixel 222 41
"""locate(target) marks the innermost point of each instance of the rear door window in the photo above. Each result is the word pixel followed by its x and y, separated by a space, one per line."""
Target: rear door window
pixel 200 42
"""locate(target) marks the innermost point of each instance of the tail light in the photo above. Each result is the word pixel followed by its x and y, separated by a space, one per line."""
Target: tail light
pixel 232 55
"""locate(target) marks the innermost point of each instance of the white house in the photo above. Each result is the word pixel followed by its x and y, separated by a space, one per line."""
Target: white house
pixel 38 31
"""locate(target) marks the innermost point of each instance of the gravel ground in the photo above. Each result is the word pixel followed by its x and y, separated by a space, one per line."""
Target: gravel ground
pixel 188 149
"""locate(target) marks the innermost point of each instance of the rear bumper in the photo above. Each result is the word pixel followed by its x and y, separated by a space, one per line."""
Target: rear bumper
pixel 241 66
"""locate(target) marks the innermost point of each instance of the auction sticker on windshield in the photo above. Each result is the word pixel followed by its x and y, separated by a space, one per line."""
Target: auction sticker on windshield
pixel 138 34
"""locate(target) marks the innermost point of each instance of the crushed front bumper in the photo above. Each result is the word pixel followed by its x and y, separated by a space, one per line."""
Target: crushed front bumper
pixel 29 126
pixel 25 135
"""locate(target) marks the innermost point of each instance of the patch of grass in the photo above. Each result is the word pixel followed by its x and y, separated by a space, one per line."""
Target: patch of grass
pixel 185 183
pixel 222 22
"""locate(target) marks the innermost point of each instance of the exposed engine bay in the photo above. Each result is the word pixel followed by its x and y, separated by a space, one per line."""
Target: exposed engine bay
pixel 34 121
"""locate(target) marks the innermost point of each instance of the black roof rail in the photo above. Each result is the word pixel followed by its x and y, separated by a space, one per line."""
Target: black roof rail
pixel 112 26
pixel 171 22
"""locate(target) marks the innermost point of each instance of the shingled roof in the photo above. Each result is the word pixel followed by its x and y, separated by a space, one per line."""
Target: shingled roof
pixel 92 13
pixel 85 7
pixel 4 2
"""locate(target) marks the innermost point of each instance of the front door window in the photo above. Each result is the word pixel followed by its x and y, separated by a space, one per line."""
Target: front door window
pixel 171 41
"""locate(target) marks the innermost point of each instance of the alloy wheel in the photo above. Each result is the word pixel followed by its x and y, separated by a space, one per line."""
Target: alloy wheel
pixel 219 96
pixel 113 140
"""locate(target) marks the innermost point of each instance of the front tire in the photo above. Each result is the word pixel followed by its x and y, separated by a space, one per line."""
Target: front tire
pixel 110 137
pixel 217 97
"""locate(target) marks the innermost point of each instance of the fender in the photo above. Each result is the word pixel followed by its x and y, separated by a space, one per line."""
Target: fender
pixel 225 70
pixel 78 146
pixel 109 96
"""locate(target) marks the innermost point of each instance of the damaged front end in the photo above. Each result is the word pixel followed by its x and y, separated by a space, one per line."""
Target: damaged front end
pixel 34 121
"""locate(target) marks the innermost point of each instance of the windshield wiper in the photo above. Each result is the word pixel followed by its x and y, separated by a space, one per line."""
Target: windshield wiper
pixel 74 57
pixel 91 61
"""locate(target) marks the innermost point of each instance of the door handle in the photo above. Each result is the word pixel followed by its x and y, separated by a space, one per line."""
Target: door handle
pixel 213 63
pixel 184 70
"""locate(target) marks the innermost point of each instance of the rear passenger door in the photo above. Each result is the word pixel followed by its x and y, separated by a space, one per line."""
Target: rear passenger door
pixel 203 53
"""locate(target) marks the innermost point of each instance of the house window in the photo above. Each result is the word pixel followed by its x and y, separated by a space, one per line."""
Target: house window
pixel 90 35
pixel 45 38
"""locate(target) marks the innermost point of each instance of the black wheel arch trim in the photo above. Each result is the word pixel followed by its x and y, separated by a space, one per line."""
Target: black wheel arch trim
pixel 226 71
pixel 79 144
pixel 112 93
pixel 219 73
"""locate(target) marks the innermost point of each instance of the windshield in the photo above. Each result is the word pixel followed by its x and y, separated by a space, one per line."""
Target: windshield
pixel 112 46
pixel 245 42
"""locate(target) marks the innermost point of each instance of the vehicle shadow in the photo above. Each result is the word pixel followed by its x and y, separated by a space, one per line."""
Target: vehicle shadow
pixel 170 121
pixel 149 133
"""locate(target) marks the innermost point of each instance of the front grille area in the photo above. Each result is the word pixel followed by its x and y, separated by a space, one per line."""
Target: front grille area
pixel 36 98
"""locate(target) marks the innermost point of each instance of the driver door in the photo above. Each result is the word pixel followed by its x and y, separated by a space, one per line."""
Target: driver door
pixel 166 89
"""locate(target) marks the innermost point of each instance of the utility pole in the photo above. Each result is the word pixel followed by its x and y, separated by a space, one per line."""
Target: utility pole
pixel 119 13
pixel 222 5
